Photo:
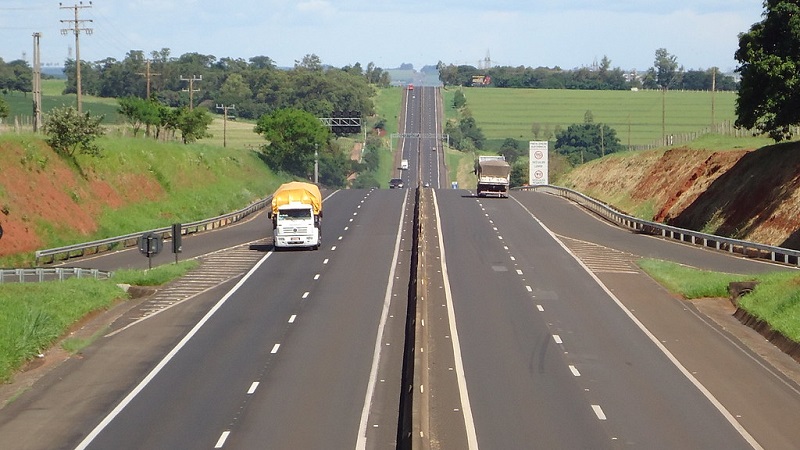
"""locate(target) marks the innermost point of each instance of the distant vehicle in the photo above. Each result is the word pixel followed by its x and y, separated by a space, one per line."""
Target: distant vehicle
pixel 296 215
pixel 396 183
pixel 493 176
pixel 404 164
pixel 410 87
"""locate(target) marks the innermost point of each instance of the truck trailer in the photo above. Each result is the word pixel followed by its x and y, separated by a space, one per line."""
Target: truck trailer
pixel 297 216
pixel 493 176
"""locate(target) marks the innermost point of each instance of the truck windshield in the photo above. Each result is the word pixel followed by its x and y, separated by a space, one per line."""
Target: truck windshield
pixel 294 214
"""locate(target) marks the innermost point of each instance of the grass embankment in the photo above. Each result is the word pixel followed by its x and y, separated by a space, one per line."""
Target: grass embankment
pixel 775 300
pixel 34 316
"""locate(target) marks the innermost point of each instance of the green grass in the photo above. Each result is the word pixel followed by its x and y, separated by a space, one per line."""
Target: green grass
pixel 636 116
pixel 33 316
pixel 775 300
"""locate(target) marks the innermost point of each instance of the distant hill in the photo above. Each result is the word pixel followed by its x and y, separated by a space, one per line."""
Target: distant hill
pixel 55 72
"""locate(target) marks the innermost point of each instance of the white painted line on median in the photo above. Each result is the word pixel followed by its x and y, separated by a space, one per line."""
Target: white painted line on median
pixel 469 422
pixel 150 376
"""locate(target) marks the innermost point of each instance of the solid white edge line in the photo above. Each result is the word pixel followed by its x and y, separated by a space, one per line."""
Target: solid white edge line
pixel 361 440
pixel 708 395
pixel 469 422
pixel 150 376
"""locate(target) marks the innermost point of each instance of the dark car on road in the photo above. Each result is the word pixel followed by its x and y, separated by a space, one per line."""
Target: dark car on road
pixel 396 183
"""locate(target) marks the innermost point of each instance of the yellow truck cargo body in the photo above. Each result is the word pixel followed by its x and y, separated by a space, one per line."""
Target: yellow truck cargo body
pixel 299 192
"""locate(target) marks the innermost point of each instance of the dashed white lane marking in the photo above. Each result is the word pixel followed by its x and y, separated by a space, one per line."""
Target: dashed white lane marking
pixel 530 289
pixel 305 294
pixel 275 348
pixel 253 388
pixel 325 261
pixel 598 411
pixel 221 441
pixel 293 318
pixel 316 277
pixel 557 338
pixel 574 370
pixel 540 308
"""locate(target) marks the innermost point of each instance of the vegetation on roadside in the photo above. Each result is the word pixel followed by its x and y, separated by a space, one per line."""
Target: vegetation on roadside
pixel 33 316
pixel 775 299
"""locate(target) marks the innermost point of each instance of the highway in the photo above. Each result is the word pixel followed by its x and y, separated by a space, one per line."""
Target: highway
pixel 534 329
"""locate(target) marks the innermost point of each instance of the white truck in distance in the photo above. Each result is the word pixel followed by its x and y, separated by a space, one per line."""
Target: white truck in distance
pixel 296 216
pixel 493 176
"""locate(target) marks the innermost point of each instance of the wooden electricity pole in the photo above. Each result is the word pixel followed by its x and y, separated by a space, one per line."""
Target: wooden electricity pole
pixel 225 122
pixel 76 27
pixel 191 89
pixel 147 75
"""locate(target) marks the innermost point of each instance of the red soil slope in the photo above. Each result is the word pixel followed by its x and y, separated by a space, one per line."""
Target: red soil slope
pixel 752 195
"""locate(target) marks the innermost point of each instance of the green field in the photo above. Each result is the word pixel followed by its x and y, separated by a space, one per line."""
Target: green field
pixel 636 116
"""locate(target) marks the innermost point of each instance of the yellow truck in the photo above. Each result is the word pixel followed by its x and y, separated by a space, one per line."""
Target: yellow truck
pixel 297 216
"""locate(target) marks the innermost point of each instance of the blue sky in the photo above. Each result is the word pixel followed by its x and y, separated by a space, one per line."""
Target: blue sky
pixel 700 33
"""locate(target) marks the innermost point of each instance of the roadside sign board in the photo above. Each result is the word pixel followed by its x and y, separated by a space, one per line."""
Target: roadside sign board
pixel 537 170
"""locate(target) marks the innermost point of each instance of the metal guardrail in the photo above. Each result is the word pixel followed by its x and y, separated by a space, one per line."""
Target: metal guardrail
pixel 130 240
pixel 40 274
pixel 745 248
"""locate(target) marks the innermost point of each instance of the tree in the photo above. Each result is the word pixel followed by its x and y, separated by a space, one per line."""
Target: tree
pixel 587 141
pixel 769 55
pixel 69 132
pixel 193 124
pixel 459 99
pixel 510 150
pixel 139 112
pixel 292 138
pixel 666 69
pixel 4 110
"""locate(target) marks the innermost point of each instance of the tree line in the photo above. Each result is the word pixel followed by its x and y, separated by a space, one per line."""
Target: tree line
pixel 255 86
pixel 600 76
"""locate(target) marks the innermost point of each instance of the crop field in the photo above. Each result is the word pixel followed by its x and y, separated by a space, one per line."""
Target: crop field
pixel 635 115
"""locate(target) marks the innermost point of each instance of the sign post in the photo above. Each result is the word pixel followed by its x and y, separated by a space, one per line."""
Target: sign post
pixel 537 171
pixel 149 245
pixel 176 240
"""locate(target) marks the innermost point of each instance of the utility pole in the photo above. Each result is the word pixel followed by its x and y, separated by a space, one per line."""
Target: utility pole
pixel 191 89
pixel 37 83
pixel 147 74
pixel 76 27
pixel 225 122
